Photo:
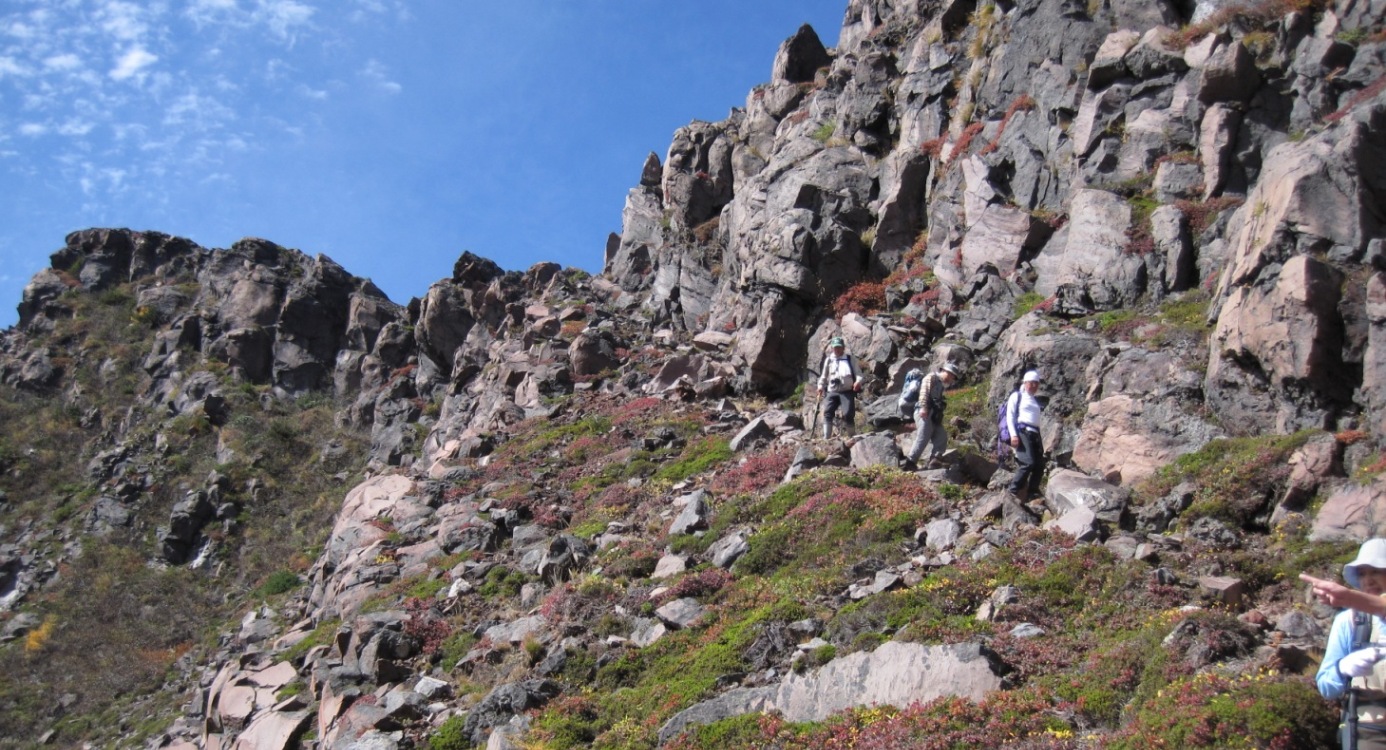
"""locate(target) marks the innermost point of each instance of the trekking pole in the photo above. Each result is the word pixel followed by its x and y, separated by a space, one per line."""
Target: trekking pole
pixel 1350 721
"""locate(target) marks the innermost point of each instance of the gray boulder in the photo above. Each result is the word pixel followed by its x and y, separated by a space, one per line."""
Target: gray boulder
pixel 895 674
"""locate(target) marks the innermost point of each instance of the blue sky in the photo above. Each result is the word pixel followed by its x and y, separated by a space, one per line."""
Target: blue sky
pixel 390 135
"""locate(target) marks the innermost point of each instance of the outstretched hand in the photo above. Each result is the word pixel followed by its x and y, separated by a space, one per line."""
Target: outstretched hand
pixel 1336 594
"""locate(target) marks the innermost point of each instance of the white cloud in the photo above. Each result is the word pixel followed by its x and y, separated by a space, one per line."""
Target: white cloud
pixel 283 17
pixel 124 20
pixel 75 127
pixel 20 30
pixel 129 131
pixel 210 12
pixel 33 129
pixel 12 67
pixel 311 93
pixel 66 61
pixel 377 75
pixel 194 111
pixel 132 62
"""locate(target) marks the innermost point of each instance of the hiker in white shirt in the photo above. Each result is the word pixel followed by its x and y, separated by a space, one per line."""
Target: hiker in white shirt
pixel 841 379
pixel 1023 421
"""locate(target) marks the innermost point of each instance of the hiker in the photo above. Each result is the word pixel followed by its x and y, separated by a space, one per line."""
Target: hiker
pixel 1023 419
pixel 1352 668
pixel 841 379
pixel 928 416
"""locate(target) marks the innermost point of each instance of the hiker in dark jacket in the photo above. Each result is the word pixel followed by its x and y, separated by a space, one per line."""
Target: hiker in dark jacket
pixel 841 379
pixel 928 416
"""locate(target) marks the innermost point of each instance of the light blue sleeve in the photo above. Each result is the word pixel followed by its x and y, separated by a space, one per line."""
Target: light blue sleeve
pixel 1331 683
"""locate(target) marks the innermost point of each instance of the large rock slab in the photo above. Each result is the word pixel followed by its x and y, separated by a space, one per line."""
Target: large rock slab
pixel 1144 418
pixel 348 571
pixel 1069 489
pixel 1352 513
pixel 896 674
pixel 1094 263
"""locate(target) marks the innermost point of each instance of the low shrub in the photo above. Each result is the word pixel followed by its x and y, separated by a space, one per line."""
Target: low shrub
pixel 279 582
pixel 1211 710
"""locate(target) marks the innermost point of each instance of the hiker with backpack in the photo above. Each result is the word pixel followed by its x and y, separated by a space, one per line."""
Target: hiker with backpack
pixel 1353 668
pixel 923 395
pixel 1022 415
pixel 841 379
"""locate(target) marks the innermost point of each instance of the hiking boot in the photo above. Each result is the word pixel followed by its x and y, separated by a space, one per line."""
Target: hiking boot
pixel 906 464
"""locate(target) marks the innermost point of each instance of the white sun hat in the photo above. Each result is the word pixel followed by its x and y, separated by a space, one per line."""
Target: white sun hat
pixel 1372 555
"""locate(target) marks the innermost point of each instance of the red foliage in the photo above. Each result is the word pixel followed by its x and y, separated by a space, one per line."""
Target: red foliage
pixel 697 585
pixel 1202 213
pixel 965 139
pixel 1139 241
pixel 635 410
pixel 865 298
pixel 926 297
pixel 1261 12
pixel 425 625
pixel 756 473
pixel 1022 102
pixel 1366 94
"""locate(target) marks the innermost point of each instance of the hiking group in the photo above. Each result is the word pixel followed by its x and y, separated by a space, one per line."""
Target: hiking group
pixel 922 398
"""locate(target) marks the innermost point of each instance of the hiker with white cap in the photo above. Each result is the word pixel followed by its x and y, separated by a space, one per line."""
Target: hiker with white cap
pixel 928 415
pixel 841 379
pixel 1353 666
pixel 1023 420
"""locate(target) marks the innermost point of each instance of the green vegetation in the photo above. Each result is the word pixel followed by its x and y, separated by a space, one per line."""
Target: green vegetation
pixel 279 582
pixel 450 735
pixel 1026 302
pixel 699 457
pixel 321 636
pixel 1237 478
pixel 502 582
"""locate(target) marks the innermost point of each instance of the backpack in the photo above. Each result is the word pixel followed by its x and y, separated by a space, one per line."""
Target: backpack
pixel 909 392
pixel 1003 428
pixel 1361 632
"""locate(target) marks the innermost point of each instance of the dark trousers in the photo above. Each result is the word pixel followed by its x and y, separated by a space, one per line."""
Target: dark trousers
pixel 833 400
pixel 1367 739
pixel 1029 458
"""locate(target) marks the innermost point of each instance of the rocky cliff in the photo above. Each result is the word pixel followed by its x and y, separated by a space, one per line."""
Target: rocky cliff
pixel 250 502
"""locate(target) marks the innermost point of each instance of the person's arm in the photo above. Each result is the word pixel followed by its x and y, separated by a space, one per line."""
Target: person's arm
pixel 823 374
pixel 1332 684
pixel 1337 595
pixel 1013 406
